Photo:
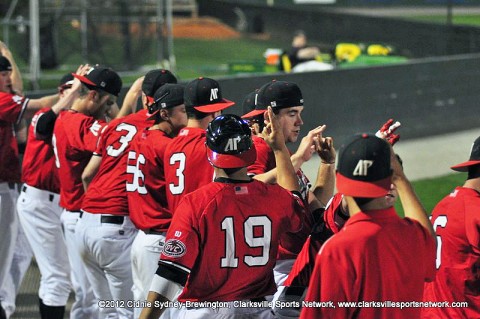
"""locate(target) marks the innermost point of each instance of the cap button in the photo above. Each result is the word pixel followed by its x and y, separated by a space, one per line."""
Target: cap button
pixel 364 135
pixel 200 78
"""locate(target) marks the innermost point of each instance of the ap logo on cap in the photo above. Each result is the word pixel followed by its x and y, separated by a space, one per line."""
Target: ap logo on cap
pixel 213 94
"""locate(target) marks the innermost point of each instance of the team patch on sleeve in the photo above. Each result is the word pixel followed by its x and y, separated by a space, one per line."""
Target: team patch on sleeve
pixel 174 248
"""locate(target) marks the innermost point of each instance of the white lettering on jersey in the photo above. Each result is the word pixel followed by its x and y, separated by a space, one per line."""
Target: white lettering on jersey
pixel 232 144
pixel 362 168
pixel 17 99
pixel 213 94
pixel 95 128
pixel 178 233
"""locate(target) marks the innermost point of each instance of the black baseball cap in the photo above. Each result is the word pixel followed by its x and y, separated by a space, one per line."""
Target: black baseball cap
pixel 473 160
pixel 248 104
pixel 363 168
pixel 155 79
pixel 167 96
pixel 101 78
pixel 67 79
pixel 205 95
pixel 278 95
pixel 5 64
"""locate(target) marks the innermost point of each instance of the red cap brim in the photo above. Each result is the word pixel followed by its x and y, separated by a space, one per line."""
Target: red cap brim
pixel 211 108
pixel 151 116
pixel 253 113
pixel 463 167
pixel 150 99
pixel 84 79
pixel 232 160
pixel 355 188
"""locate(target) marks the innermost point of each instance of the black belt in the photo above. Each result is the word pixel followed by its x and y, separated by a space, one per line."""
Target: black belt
pixel 152 231
pixel 11 185
pixel 51 197
pixel 112 220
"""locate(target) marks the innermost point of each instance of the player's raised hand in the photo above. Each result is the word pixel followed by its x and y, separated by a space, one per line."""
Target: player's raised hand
pixel 307 145
pixel 325 149
pixel 272 134
pixel 387 132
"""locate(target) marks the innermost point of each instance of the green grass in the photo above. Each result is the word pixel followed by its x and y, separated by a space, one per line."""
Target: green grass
pixel 431 191
pixel 473 20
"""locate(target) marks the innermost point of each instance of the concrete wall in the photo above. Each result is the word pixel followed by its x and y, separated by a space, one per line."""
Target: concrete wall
pixel 429 96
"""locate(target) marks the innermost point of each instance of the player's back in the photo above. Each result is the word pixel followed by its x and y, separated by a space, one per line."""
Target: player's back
pixel 237 227
pixel 146 181
pixel 108 185
pixel 38 168
pixel 456 219
pixel 74 140
pixel 375 253
pixel 186 165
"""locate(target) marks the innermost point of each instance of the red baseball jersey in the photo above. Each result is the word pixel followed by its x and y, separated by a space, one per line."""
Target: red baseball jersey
pixel 38 169
pixel 265 158
pixel 74 140
pixel 377 257
pixel 106 193
pixel 323 229
pixel 456 220
pixel 227 239
pixel 12 108
pixel 186 165
pixel 146 181
pixel 290 244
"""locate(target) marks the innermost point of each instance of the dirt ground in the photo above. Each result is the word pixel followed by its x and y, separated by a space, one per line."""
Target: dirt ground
pixel 202 28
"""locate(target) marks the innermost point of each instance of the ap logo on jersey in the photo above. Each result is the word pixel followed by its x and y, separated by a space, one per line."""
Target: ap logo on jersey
pixel 174 248
pixel 232 144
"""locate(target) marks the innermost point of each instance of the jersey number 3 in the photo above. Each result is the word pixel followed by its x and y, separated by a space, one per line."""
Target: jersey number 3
pixel 264 226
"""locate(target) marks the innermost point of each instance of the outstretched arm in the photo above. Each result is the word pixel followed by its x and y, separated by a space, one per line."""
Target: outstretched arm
pixel 411 204
pixel 130 101
pixel 273 135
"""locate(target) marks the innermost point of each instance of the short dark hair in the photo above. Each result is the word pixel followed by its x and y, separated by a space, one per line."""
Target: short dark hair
pixel 473 171
pixel 193 113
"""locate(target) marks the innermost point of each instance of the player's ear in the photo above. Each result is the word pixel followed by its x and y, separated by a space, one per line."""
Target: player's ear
pixel 164 115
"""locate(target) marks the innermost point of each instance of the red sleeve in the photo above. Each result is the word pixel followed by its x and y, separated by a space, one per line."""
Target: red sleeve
pixel 182 241
pixel 101 142
pixel 12 107
pixel 472 228
pixel 89 133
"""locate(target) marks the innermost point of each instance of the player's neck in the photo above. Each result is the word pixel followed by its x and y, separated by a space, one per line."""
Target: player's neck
pixel 473 183
pixel 240 175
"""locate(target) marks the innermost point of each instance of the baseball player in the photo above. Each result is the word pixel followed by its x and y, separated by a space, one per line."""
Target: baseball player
pixel 286 100
pixel 105 207
pixel 185 164
pixel 378 256
pixel 456 221
pixel 13 107
pixel 39 213
pixel 146 185
pixel 74 140
pixel 256 122
pixel 223 240
pixel 329 223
